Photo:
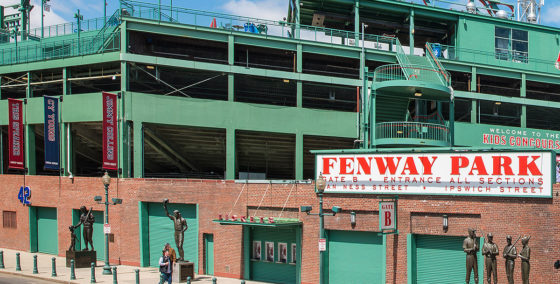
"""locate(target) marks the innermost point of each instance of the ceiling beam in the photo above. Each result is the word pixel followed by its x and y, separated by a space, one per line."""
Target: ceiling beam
pixel 153 135
pixel 152 143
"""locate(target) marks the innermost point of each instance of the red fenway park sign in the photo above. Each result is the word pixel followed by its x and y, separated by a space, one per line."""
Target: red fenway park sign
pixel 510 174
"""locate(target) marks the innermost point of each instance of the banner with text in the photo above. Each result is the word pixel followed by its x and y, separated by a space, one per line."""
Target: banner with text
pixel 52 139
pixel 110 150
pixel 15 134
pixel 507 174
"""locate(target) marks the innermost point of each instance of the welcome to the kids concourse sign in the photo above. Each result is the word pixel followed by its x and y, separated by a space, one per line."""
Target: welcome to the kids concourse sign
pixel 484 173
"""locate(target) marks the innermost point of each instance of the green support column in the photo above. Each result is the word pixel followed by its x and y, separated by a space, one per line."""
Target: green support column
pixel 452 120
pixel 299 58
pixel 231 92
pixel 473 111
pixel 0 88
pixel 299 156
pixel 523 95
pixel 473 79
pixel 411 32
pixel 66 146
pixel 299 93
pixel 373 119
pixel 30 155
pixel 138 149
pixel 124 37
pixel 297 16
pixel 357 22
pixel 230 153
pixel 231 53
pixel 66 90
pixel 124 144
pixel 1 153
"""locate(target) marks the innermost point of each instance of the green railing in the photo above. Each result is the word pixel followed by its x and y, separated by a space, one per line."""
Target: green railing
pixel 255 26
pixel 58 49
pixel 412 130
pixel 420 73
pixel 434 62
pixel 402 57
pixel 508 59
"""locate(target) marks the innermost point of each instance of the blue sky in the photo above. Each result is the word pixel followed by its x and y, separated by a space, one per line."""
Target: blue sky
pixel 63 10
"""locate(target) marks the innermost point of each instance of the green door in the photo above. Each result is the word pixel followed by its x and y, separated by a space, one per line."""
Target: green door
pixel 98 236
pixel 161 231
pixel 355 257
pixel 274 269
pixel 438 256
pixel 47 230
pixel 209 254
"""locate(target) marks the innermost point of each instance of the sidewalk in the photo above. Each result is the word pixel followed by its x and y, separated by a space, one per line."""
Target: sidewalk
pixel 125 274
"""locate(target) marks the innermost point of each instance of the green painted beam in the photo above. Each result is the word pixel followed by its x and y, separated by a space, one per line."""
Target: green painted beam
pixel 254 117
pixel 231 50
pixel 473 111
pixel 231 167
pixel 138 149
pixel 299 94
pixel 154 60
pixel 143 238
pixel 299 58
pixel 513 100
pixel 523 94
pixel 299 156
pixel 357 22
pixel 231 85
pixel 411 31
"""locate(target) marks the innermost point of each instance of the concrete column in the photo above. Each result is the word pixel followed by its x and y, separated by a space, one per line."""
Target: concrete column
pixel 299 156
pixel 411 32
pixel 230 154
pixel 66 87
pixel 299 58
pixel 297 18
pixel 231 92
pixel 299 93
pixel 357 22
pixel 523 94
pixel 231 53
pixel 138 149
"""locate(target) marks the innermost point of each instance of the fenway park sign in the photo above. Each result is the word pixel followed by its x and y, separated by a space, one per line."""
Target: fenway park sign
pixel 508 174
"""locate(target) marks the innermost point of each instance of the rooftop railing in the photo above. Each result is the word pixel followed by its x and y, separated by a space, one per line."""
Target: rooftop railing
pixel 501 58
pixel 255 26
pixel 421 73
pixel 59 49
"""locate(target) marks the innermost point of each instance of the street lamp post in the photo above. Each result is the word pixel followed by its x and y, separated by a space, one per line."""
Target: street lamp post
pixel 106 181
pixel 320 185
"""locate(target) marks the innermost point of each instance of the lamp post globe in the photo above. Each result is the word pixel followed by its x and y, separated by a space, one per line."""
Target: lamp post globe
pixel 106 179
pixel 320 183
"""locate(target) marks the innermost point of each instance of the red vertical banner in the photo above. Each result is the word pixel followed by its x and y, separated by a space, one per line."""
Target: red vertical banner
pixel 15 134
pixel 110 150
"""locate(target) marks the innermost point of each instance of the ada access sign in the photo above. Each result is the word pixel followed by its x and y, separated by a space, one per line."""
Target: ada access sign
pixel 106 228
pixel 387 215
pixel 322 244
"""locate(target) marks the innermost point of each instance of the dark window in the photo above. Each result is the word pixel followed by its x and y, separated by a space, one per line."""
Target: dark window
pixel 9 219
pixel 512 45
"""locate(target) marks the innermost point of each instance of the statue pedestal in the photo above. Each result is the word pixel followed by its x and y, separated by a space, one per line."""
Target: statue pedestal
pixel 82 258
pixel 182 270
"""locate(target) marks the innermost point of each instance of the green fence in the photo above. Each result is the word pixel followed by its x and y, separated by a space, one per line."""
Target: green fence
pixel 412 130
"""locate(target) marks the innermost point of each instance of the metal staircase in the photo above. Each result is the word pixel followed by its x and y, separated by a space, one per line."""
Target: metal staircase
pixel 107 33
pixel 423 68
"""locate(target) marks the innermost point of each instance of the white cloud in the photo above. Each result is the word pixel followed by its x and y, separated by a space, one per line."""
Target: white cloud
pixel 274 10
pixel 550 15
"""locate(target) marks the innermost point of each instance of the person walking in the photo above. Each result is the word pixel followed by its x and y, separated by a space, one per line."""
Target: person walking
pixel 165 267
pixel 172 253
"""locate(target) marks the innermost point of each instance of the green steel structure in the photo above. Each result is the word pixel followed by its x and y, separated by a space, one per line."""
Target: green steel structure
pixel 248 98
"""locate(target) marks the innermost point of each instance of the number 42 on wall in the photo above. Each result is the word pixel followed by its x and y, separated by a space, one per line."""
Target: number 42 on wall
pixel 24 195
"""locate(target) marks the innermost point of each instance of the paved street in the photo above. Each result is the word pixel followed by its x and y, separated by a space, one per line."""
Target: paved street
pixel 9 279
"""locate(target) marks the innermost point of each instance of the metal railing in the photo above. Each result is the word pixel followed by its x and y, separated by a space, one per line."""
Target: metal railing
pixel 59 49
pixel 434 62
pixel 256 26
pixel 421 73
pixel 412 130
pixel 402 58
pixel 509 59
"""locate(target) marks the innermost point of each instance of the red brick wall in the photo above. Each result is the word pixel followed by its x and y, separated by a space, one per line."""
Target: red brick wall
pixel 417 214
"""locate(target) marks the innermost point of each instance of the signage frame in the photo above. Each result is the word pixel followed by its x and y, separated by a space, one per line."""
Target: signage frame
pixel 447 150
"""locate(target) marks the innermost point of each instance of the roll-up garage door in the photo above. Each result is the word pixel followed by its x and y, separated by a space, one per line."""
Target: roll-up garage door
pixel 47 230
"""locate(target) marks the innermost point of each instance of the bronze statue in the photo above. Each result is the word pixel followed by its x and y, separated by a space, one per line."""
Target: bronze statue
pixel 72 239
pixel 525 256
pixel 180 227
pixel 87 219
pixel 490 251
pixel 510 253
pixel 470 247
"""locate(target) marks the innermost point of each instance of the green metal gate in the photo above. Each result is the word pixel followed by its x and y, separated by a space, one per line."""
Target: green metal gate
pixel 440 259
pixel 355 257
pixel 209 254
pixel 98 236
pixel 273 271
pixel 161 231
pixel 47 230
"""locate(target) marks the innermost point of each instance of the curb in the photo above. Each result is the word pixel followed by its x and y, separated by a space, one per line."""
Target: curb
pixel 35 277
